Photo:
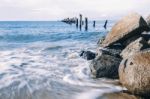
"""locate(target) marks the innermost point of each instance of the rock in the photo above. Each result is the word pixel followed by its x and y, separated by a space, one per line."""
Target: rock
pixel 88 55
pixel 105 65
pixel 130 40
pixel 134 73
pixel 148 20
pixel 134 47
pixel 127 27
pixel 113 51
pixel 146 35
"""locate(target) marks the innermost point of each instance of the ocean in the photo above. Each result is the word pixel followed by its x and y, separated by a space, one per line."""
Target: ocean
pixel 40 60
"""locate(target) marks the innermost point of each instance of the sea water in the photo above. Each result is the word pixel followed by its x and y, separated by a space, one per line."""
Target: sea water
pixel 40 60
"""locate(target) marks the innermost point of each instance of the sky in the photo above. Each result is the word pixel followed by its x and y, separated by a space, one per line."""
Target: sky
pixel 16 10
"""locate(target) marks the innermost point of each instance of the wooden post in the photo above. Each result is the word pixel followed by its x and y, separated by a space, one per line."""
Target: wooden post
pixel 80 22
pixel 105 25
pixel 94 23
pixel 77 23
pixel 86 24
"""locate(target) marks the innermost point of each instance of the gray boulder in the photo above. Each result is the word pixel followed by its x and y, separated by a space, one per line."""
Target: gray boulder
pixel 113 50
pixel 88 55
pixel 105 65
pixel 127 27
pixel 134 47
pixel 134 73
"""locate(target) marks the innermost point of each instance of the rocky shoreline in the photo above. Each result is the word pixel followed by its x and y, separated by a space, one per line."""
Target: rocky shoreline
pixel 124 54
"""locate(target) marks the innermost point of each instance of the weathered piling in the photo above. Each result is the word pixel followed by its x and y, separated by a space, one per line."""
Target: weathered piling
pixel 105 25
pixel 94 22
pixel 77 23
pixel 86 23
pixel 80 22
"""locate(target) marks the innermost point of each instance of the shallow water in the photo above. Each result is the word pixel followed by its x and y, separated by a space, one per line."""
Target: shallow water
pixel 40 60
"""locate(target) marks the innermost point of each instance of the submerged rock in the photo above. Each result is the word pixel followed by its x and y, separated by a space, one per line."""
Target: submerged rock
pixel 128 26
pixel 134 73
pixel 134 47
pixel 88 55
pixel 105 65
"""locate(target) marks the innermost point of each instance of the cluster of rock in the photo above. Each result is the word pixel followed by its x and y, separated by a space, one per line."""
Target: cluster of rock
pixel 125 54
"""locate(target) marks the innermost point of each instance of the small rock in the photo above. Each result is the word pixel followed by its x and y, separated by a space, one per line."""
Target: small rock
pixel 88 55
pixel 134 73
pixel 105 65
pixel 134 47
pixel 127 27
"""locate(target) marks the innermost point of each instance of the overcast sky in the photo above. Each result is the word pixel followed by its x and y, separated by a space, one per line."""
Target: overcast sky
pixel 57 9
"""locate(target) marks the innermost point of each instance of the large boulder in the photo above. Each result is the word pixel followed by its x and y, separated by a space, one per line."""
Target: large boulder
pixel 105 65
pixel 134 73
pixel 134 47
pixel 127 27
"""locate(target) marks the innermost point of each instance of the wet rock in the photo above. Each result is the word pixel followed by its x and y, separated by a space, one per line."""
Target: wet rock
pixel 127 27
pixel 88 55
pixel 105 65
pixel 113 51
pixel 130 40
pixel 146 35
pixel 134 73
pixel 134 47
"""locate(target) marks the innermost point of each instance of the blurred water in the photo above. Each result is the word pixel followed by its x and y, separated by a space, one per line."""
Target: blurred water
pixel 40 60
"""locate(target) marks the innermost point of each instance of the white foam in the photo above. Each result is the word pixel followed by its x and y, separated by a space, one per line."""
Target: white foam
pixel 34 68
